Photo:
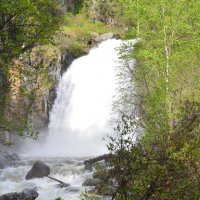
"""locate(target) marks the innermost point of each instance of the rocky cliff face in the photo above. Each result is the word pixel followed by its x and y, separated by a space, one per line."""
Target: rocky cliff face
pixel 71 5
pixel 34 79
pixel 46 97
pixel 33 91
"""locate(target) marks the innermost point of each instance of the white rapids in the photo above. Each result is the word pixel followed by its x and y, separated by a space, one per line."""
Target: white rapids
pixel 12 179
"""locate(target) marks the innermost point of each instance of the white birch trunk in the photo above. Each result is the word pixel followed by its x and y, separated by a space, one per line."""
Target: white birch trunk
pixel 166 49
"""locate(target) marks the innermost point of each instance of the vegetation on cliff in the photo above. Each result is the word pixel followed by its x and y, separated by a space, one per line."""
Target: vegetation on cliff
pixel 23 25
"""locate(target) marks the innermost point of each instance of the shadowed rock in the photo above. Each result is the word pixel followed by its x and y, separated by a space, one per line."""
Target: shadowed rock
pixel 39 170
pixel 63 185
pixel 13 157
pixel 106 36
pixel 7 159
pixel 4 162
pixel 27 194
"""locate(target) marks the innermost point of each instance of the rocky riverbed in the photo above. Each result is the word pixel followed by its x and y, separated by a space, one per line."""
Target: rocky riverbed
pixel 69 170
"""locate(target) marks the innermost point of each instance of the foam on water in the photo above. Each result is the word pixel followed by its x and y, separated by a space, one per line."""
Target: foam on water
pixel 71 171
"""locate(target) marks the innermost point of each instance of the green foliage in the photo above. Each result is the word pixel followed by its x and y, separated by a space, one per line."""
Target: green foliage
pixel 77 49
pixel 76 33
pixel 164 161
pixel 109 12
pixel 59 198
pixel 154 169
pixel 88 196
pixel 23 25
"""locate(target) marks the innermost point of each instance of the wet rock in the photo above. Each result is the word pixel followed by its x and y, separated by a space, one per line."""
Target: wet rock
pixel 39 170
pixel 66 60
pixel 117 36
pixel 63 185
pixel 13 157
pixel 7 159
pixel 4 162
pixel 27 194
pixel 72 189
pixel 30 194
pixel 11 196
pixel 106 36
pixel 79 164
pixel 103 37
pixel 88 167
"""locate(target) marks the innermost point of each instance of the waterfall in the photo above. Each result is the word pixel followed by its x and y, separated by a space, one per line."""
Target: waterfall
pixel 79 120
pixel 81 112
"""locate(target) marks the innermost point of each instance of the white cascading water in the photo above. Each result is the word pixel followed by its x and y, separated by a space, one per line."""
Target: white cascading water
pixel 80 116
pixel 79 121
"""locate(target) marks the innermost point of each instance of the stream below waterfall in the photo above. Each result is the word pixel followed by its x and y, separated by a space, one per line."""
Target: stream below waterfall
pixel 69 170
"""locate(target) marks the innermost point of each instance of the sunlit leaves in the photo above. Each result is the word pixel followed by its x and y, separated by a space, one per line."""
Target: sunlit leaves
pixel 167 79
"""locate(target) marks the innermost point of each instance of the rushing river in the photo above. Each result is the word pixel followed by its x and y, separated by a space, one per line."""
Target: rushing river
pixel 71 171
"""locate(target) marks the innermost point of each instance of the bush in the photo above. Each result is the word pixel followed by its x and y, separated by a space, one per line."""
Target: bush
pixel 149 168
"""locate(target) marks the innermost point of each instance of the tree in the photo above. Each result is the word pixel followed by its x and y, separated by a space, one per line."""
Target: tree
pixel 164 163
pixel 24 24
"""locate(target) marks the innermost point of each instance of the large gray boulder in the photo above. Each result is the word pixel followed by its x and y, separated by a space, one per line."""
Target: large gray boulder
pixel 39 170
pixel 106 36
pixel 27 194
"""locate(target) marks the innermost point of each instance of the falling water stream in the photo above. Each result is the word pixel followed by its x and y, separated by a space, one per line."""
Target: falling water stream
pixel 79 118
pixel 79 121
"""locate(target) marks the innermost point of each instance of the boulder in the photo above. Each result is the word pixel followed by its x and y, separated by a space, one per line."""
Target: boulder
pixel 72 189
pixel 117 36
pixel 106 36
pixel 39 170
pixel 30 193
pixel 13 157
pixel 63 185
pixel 27 194
pixel 4 162
pixel 94 34
pixel 7 159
